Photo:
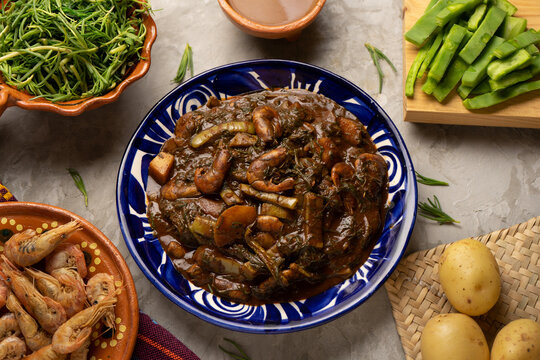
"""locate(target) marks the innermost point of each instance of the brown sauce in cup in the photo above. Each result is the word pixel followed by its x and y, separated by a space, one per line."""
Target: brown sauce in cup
pixel 273 12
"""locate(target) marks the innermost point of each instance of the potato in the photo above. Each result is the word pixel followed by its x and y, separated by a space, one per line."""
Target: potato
pixel 470 277
pixel 453 337
pixel 519 340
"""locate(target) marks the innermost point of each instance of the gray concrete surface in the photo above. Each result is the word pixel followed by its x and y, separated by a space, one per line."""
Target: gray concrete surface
pixel 494 172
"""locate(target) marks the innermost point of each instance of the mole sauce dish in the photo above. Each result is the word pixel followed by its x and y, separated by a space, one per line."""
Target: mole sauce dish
pixel 268 197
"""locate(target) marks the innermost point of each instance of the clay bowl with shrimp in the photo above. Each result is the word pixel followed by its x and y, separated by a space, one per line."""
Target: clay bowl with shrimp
pixel 250 80
pixel 100 257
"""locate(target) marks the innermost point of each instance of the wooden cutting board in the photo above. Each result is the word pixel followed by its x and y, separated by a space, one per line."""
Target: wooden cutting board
pixel 523 111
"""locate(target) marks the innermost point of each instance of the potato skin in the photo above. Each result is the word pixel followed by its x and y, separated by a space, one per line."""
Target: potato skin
pixel 518 340
pixel 470 277
pixel 453 337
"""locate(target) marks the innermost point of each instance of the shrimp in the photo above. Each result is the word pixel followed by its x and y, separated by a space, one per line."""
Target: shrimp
pixel 28 248
pixel 4 289
pixel 82 352
pixel 210 181
pixel 35 337
pixel 330 154
pixel 48 312
pixel 266 122
pixel 66 255
pixel 341 169
pixel 45 353
pixel 72 334
pixel 98 288
pixel 268 223
pixel 257 169
pixel 12 348
pixel 353 131
pixel 64 286
pixel 8 326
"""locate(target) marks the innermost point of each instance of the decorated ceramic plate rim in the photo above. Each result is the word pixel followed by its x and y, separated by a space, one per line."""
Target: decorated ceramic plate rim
pixel 158 125
pixel 18 208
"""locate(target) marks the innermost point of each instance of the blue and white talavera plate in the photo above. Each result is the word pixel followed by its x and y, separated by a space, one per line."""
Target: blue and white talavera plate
pixel 239 78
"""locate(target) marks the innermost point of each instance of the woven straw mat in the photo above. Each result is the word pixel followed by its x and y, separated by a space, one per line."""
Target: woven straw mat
pixel 416 294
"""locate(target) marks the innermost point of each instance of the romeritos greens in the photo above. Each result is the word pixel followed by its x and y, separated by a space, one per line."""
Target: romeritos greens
pixel 64 50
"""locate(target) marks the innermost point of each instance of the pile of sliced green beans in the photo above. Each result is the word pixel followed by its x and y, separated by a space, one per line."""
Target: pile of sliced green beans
pixel 477 44
pixel 63 50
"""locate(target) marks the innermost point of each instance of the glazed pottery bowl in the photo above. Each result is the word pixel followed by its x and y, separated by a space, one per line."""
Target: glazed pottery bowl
pixel 240 78
pixel 10 96
pixel 101 256
pixel 289 31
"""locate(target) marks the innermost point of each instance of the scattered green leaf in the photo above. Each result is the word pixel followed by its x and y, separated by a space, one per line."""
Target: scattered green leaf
pixel 432 210
pixel 241 355
pixel 79 183
pixel 185 63
pixel 428 181
pixel 376 56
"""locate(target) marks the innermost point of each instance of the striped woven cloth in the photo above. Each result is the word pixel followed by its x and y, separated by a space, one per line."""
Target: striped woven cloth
pixel 153 341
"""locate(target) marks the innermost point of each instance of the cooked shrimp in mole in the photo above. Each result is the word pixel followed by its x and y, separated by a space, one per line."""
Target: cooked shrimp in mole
pixel 277 196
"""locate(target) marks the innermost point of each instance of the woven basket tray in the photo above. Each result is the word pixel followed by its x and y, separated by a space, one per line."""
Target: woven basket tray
pixel 416 294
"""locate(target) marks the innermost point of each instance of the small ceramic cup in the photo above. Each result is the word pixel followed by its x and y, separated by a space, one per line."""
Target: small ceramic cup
pixel 289 31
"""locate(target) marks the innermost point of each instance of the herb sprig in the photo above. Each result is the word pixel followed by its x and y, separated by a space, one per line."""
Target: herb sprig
pixel 79 183
pixel 241 355
pixel 63 51
pixel 432 210
pixel 185 63
pixel 428 181
pixel 376 56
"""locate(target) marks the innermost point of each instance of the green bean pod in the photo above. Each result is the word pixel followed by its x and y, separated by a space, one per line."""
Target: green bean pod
pixel 499 96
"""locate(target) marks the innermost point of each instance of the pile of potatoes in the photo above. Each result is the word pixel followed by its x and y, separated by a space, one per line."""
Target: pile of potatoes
pixel 470 278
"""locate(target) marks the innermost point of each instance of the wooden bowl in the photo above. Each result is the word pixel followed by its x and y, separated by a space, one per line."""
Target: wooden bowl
pixel 10 96
pixel 290 31
pixel 101 256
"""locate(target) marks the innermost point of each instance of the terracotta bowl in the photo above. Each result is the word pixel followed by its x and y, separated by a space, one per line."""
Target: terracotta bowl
pixel 290 31
pixel 10 96
pixel 101 256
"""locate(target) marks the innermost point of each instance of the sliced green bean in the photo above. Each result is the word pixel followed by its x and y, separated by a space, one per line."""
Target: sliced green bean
pixel 454 9
pixel 464 91
pixel 483 35
pixel 451 79
pixel 505 5
pixel 233 126
pixel 499 68
pixel 532 49
pixel 448 49
pixel 413 71
pixel 477 17
pixel 433 48
pixel 499 96
pixel 477 71
pixel 426 26
pixel 482 88
pixel 512 27
pixel 517 76
pixel 429 86
pixel 521 41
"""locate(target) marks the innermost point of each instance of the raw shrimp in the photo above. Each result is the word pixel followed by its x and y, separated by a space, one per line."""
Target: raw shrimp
pixel 35 337
pixel 66 255
pixel 98 288
pixel 48 312
pixel 45 353
pixel 82 352
pixel 63 285
pixel 4 289
pixel 28 248
pixel 72 334
pixel 12 348
pixel 8 326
